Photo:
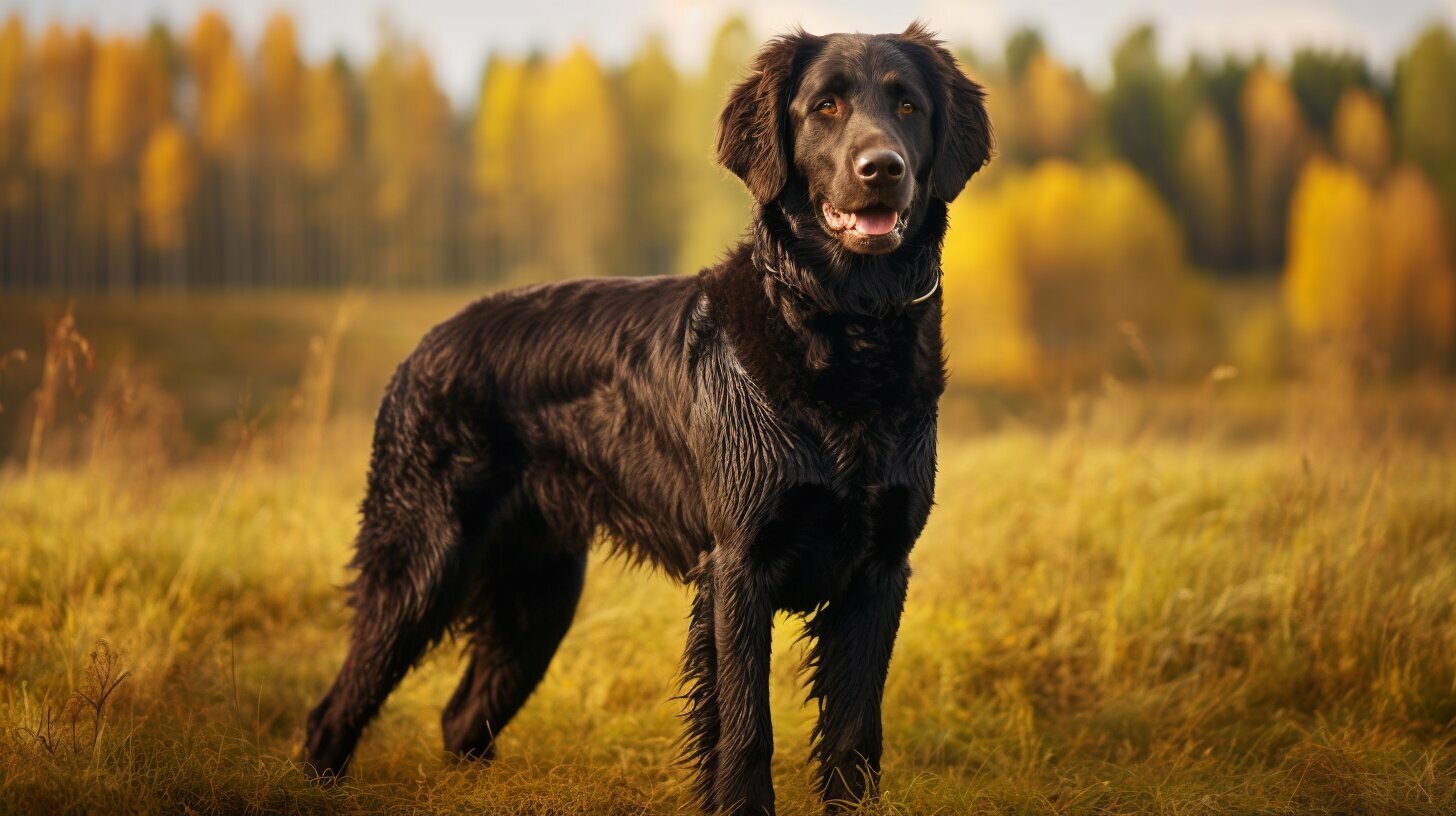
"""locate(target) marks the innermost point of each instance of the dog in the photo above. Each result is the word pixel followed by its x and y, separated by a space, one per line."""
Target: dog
pixel 764 431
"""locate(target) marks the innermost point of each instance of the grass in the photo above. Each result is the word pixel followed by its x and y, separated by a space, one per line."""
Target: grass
pixel 1127 611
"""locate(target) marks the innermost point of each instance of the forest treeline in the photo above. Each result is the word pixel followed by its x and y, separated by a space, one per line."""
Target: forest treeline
pixel 191 159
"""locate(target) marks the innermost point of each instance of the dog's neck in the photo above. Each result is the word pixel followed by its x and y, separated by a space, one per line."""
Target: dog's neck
pixel 833 329
pixel 811 277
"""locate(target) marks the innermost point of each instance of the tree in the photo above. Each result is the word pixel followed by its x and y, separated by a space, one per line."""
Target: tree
pixel 1426 112
pixel 720 206
pixel 55 147
pixel 1360 134
pixel 225 134
pixel 280 100
pixel 1137 108
pixel 653 201
pixel 1022 47
pixel 408 142
pixel 1208 190
pixel 988 330
pixel 1414 265
pixel 501 151
pixel 1093 258
pixel 17 266
pixel 1369 268
pixel 116 126
pixel 163 63
pixel 12 85
pixel 1275 144
pixel 325 132
pixel 226 116
pixel 63 63
pixel 327 149
pixel 1319 78
pixel 168 181
pixel 575 173
pixel 115 123
pixel 1056 109
pixel 211 38
pixel 1329 286
pixel 1221 85
pixel 280 91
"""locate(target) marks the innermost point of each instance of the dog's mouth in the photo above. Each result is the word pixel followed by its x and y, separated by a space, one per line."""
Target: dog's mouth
pixel 873 229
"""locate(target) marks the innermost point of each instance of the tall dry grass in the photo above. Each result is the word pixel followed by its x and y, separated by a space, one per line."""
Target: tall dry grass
pixel 1145 607
pixel 66 350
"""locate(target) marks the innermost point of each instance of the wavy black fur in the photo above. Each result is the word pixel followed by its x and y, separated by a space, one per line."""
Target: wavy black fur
pixel 764 431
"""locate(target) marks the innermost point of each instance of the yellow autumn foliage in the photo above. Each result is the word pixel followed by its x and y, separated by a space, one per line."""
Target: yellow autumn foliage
pixel 12 83
pixel 988 332
pixel 1370 266
pixel 1415 260
pixel 1082 266
pixel 210 39
pixel 406 145
pixel 496 140
pixel 1361 133
pixel 499 155
pixel 168 181
pixel 409 154
pixel 225 121
pixel 720 206
pixel 62 67
pixel 1329 283
pixel 324 125
pixel 116 124
pixel 280 91
pixel 1046 111
pixel 1057 107
pixel 1209 187
pixel 1275 144
pixel 652 175
pixel 576 149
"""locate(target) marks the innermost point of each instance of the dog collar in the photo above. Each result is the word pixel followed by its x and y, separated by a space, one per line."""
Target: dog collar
pixel 928 295
pixel 935 287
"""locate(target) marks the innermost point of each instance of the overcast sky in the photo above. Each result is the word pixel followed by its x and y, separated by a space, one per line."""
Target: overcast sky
pixel 460 33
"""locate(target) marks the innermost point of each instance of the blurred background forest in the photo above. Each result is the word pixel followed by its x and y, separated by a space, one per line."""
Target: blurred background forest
pixel 1110 233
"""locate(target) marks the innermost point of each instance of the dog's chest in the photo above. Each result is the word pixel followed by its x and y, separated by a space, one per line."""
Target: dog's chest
pixel 831 527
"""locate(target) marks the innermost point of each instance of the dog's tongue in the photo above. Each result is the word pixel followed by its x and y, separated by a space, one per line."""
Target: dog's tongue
pixel 877 221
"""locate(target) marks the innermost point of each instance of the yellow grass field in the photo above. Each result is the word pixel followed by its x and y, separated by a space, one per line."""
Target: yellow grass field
pixel 1149 599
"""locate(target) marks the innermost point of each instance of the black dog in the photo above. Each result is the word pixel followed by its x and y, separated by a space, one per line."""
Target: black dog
pixel 764 430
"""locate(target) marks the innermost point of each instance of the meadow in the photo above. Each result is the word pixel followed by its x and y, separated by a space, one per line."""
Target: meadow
pixel 1133 597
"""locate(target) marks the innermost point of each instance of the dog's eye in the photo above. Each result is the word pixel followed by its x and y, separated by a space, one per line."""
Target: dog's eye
pixel 907 107
pixel 828 106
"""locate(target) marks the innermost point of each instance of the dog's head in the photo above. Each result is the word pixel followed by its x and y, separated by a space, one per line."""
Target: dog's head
pixel 855 132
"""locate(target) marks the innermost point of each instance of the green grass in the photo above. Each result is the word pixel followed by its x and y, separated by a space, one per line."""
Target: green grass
pixel 1101 621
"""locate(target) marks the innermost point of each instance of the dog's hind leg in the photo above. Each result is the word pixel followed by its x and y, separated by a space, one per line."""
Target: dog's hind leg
pixel 399 611
pixel 410 555
pixel 525 604
pixel 396 617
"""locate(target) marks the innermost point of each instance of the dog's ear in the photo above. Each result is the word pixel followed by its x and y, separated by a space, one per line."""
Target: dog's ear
pixel 963 139
pixel 753 132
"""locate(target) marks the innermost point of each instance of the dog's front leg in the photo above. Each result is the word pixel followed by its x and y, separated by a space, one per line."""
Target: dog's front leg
pixel 742 634
pixel 853 637
pixel 700 688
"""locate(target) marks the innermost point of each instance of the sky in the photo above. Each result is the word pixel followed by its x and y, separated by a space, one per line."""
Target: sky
pixel 459 34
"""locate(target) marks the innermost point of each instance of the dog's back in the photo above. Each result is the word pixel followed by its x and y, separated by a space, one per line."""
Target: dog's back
pixel 570 398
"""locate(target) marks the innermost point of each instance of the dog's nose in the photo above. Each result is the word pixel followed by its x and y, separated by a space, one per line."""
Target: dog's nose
pixel 879 168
